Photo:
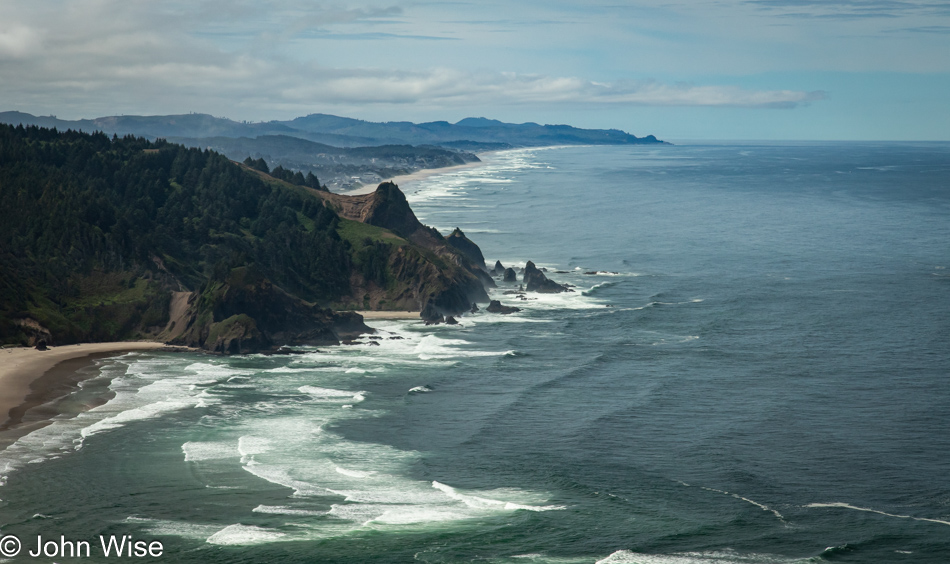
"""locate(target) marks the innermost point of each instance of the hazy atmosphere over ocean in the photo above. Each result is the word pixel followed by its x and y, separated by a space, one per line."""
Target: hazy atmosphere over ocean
pixel 752 368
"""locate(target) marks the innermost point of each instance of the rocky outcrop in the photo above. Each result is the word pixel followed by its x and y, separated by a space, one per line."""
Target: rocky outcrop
pixel 469 249
pixel 237 334
pixel 430 314
pixel 536 281
pixel 430 272
pixel 498 269
pixel 496 307
pixel 510 275
pixel 34 332
pixel 388 208
pixel 247 313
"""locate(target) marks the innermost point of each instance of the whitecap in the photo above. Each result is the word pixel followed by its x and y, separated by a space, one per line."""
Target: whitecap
pixel 244 535
pixel 248 446
pixel 330 394
pixel 183 529
pixel 286 510
pixel 353 473
pixel 855 508
pixel 478 502
pixel 197 451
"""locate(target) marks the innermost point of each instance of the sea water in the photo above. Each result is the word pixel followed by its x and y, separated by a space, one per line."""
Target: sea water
pixel 752 367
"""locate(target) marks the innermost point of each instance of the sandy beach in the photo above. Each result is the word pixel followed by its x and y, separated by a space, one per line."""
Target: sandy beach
pixel 414 177
pixel 22 368
pixel 389 314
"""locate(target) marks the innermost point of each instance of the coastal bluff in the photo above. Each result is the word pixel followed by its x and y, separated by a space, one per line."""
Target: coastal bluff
pixel 152 240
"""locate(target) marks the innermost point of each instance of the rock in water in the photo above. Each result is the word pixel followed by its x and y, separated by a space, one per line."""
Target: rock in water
pixel 430 314
pixel 510 275
pixel 499 268
pixel 536 281
pixel 496 307
pixel 451 321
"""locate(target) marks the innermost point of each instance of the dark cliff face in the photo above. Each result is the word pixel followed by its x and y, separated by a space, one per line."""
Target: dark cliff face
pixel 425 270
pixel 247 313
pixel 465 246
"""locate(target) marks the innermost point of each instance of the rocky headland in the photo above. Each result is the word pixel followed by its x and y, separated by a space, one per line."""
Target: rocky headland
pixel 156 241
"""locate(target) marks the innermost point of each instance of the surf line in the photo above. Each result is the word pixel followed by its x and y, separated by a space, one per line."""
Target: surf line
pixel 847 506
pixel 745 499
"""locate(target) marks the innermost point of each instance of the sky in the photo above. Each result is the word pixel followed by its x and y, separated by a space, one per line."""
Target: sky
pixel 681 70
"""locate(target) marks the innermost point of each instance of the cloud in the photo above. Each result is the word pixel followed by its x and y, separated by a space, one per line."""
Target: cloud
pixel 452 87
pixel 18 41
pixel 255 59
pixel 851 9
pixel 937 29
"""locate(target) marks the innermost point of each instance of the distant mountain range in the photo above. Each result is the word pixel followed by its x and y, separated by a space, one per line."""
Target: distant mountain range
pixel 344 132
pixel 343 152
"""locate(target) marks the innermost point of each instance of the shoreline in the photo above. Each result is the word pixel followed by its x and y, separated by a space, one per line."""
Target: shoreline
pixel 389 314
pixel 30 378
pixel 413 177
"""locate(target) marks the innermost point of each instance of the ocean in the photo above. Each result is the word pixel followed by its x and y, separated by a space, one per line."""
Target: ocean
pixel 753 367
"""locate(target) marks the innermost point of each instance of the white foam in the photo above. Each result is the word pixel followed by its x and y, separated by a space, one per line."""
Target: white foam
pixel 412 515
pixel 325 392
pixel 244 535
pixel 248 446
pixel 149 411
pixel 285 510
pixel 142 387
pixel 478 502
pixel 162 527
pixel 196 451
pixel 747 500
pixel 281 477
pixel 420 389
pixel 353 473
pixel 852 507
pixel 433 347
pixel 331 394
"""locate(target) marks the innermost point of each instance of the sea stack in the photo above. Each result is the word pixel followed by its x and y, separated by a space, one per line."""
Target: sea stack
pixel 496 307
pixel 536 281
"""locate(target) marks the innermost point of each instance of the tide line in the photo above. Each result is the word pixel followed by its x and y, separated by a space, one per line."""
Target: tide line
pixel 847 506
pixel 747 500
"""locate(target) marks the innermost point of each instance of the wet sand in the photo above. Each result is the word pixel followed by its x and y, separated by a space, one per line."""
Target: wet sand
pixel 29 378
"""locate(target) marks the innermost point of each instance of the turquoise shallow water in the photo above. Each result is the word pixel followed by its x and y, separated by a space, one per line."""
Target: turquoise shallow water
pixel 757 373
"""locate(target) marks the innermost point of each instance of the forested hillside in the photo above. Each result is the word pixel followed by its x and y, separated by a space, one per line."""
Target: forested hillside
pixel 99 235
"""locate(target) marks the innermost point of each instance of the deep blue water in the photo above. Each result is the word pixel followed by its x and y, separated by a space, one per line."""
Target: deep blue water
pixel 759 373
